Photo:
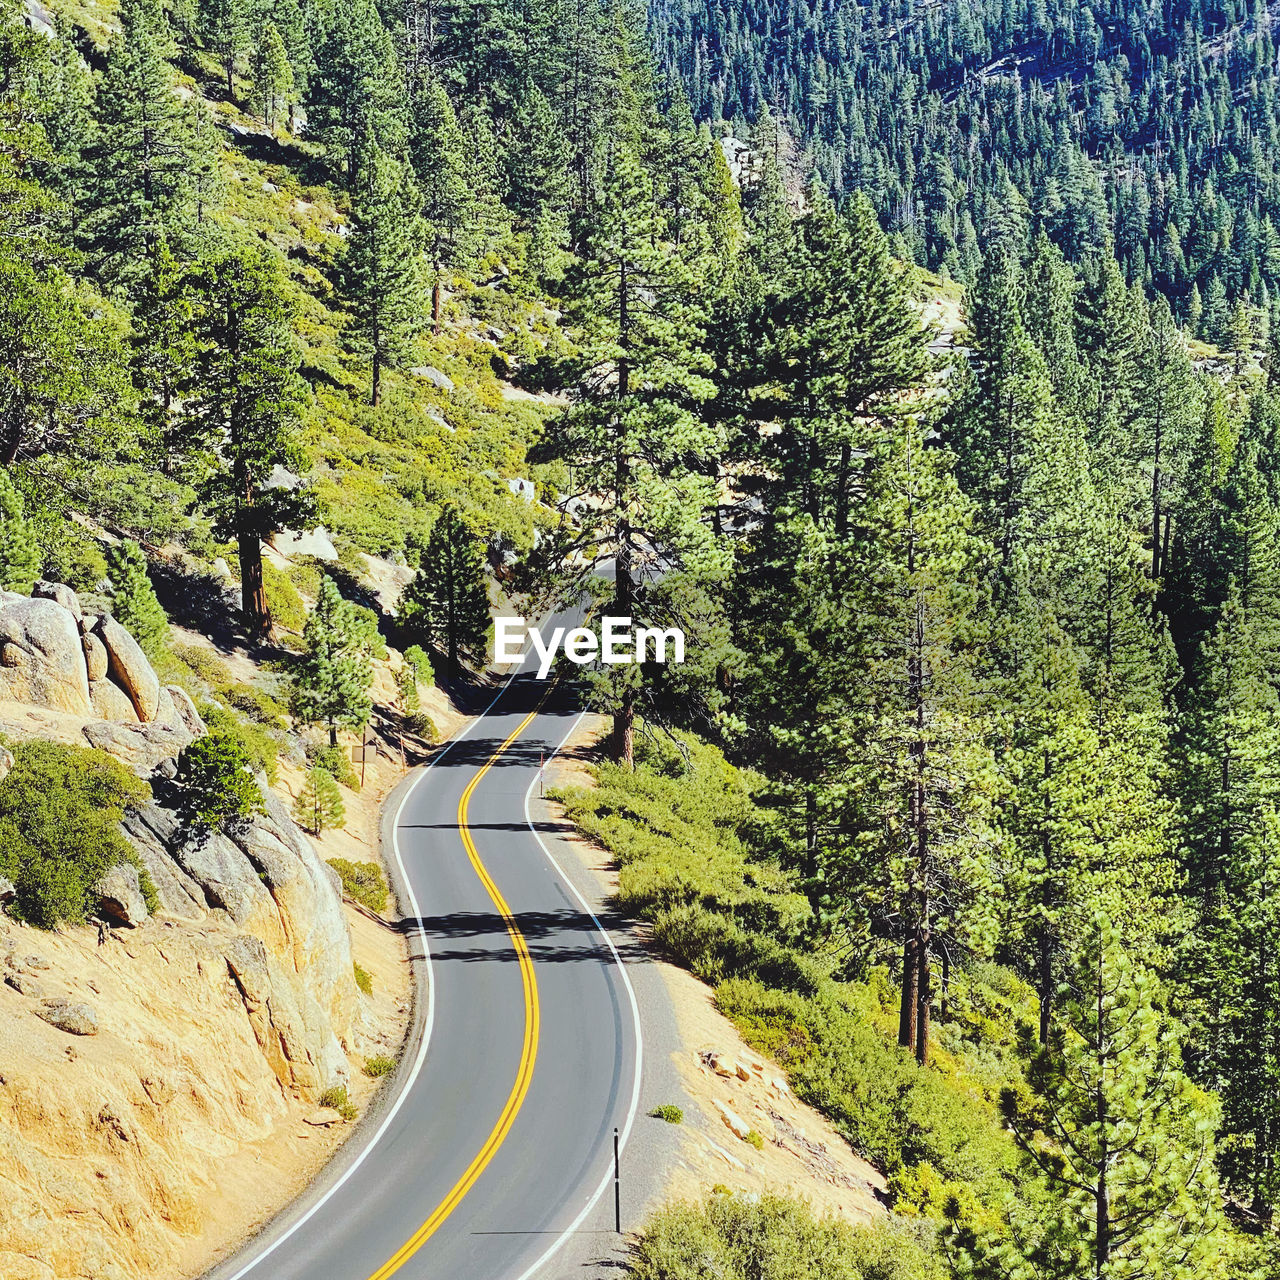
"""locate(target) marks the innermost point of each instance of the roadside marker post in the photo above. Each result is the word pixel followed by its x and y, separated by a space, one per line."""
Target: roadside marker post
pixel 617 1186
pixel 542 761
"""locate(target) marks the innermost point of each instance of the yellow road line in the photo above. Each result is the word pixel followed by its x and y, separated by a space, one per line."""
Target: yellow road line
pixel 528 1052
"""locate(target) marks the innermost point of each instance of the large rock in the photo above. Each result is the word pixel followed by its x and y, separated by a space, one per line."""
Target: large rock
pixel 128 667
pixel 110 702
pixel 41 658
pixel 437 377
pixel 60 592
pixel 73 1017
pixel 119 895
pixel 140 747
pixel 7 891
pixel 186 710
pixel 315 542
pixel 25 984
pixel 95 657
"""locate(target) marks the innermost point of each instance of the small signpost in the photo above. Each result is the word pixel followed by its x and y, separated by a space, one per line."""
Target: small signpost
pixel 367 750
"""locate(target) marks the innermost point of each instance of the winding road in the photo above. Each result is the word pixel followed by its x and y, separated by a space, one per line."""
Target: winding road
pixel 495 1138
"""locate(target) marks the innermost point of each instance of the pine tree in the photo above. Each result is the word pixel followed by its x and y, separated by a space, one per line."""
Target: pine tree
pixel 333 676
pixel 63 387
pixel 926 782
pixel 355 95
pixel 271 73
pixel 1024 464
pixel 224 24
pixel 19 555
pixel 442 162
pixel 1240 334
pixel 133 599
pixel 319 807
pixel 631 434
pixel 382 269
pixel 448 602
pixel 1168 406
pixel 1123 1140
pixel 142 151
pixel 844 347
pixel 242 400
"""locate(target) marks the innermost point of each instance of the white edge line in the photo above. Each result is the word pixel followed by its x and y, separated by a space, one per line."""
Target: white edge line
pixel 431 1008
pixel 563 1238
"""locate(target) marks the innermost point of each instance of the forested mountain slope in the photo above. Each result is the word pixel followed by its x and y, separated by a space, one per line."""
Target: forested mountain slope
pixel 1156 124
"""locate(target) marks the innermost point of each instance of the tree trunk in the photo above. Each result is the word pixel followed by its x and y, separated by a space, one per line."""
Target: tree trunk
pixel 333 735
pixel 923 998
pixel 624 719
pixel 842 491
pixel 253 590
pixel 436 304
pixel 375 392
pixel 910 995
pixel 1044 982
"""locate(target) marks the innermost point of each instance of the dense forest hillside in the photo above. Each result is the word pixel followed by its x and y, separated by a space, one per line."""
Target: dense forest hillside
pixel 1154 124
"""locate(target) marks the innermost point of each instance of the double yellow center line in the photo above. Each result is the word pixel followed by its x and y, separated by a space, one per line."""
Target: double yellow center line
pixel 528 1052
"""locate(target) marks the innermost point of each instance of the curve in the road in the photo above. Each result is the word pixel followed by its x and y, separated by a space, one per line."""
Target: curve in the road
pixel 539 1164
pixel 528 1051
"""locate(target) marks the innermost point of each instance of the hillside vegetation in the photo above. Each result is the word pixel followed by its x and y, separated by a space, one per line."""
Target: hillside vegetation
pixel 1149 128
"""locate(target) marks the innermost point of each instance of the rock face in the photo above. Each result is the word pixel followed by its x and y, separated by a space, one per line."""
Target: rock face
pixel 129 668
pixel 119 894
pixel 291 960
pixel 73 1017
pixel 55 657
pixel 41 657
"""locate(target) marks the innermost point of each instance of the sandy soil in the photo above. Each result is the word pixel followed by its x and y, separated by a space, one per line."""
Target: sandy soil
pixel 739 1096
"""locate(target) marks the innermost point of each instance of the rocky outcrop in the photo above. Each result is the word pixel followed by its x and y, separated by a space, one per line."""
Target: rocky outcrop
pixel 129 668
pixel 41 657
pixel 119 895
pixel 291 961
pixel 55 657
pixel 73 1017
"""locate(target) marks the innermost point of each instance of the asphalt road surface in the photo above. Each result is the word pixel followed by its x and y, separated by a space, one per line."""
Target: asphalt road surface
pixel 494 1141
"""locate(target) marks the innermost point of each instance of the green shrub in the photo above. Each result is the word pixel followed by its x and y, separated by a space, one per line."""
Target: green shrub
pixel 364 980
pixel 362 882
pixel 755 1139
pixel 216 773
pixel 287 610
pixel 419 661
pixel 72 558
pixel 60 809
pixel 421 724
pixel 732 1236
pixel 206 666
pixel 336 1099
pixel 379 1065
pixel 258 743
pixel 337 763
pixel 133 601
pixel 668 1112
pixel 258 706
